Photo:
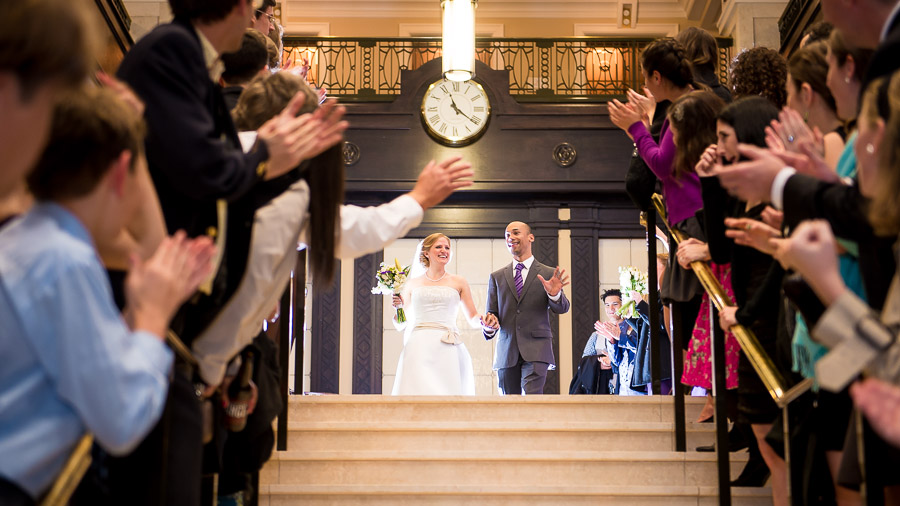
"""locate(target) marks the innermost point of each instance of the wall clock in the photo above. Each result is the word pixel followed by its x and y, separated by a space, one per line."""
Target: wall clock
pixel 455 113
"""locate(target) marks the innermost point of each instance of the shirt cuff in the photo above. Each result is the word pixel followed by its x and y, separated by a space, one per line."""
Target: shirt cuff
pixel 155 351
pixel 555 298
pixel 411 205
pixel 776 196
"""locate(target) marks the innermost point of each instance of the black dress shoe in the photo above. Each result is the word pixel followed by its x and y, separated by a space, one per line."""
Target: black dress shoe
pixel 755 473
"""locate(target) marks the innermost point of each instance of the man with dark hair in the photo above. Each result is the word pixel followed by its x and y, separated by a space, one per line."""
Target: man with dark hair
pixel 71 363
pixel 207 186
pixel 264 17
pixel 243 65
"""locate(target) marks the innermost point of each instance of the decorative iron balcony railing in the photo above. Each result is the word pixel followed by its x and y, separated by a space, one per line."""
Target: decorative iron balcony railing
pixel 540 70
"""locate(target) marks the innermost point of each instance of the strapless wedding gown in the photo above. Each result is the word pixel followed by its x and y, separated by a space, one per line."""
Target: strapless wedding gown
pixel 430 364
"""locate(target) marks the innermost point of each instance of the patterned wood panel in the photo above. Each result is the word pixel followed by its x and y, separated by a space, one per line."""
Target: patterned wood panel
pixel 367 327
pixel 585 273
pixel 324 374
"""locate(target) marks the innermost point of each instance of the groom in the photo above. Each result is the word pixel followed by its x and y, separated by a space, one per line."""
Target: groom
pixel 519 308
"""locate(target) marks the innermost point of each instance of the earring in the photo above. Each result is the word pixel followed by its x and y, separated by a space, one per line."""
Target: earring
pixel 870 149
pixel 847 80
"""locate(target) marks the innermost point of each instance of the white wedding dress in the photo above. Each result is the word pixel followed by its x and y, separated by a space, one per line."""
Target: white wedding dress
pixel 429 363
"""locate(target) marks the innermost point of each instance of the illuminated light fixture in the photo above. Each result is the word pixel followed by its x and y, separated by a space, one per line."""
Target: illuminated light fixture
pixel 458 52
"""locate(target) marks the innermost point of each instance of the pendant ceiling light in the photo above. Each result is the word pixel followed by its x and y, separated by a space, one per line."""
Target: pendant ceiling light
pixel 459 39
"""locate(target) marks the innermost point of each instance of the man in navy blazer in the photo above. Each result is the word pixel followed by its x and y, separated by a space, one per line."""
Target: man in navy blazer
pixel 518 309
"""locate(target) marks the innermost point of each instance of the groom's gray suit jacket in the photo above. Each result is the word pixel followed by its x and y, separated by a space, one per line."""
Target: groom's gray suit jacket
pixel 525 320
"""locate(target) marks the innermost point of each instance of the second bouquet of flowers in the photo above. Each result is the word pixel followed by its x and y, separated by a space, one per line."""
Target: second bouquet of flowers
pixel 631 279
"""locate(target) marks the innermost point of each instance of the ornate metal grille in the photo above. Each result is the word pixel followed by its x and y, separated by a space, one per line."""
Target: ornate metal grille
pixel 546 70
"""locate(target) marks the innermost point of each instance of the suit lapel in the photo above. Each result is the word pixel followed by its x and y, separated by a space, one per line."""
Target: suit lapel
pixel 508 274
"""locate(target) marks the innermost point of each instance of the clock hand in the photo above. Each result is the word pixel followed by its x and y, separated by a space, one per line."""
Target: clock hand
pixel 454 107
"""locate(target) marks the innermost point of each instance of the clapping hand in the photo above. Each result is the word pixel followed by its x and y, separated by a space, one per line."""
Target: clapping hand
pixel 438 180
pixel 645 104
pixel 751 180
pixel 489 321
pixel 556 283
pixel 752 233
pixel 623 115
pixel 609 330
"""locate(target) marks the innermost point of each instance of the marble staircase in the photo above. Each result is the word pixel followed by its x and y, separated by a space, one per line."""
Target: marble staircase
pixel 553 450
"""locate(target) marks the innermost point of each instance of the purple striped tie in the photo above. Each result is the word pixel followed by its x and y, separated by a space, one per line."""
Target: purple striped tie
pixel 518 279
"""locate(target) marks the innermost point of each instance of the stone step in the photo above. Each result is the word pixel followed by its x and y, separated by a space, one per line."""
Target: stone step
pixel 491 436
pixel 596 408
pixel 505 468
pixel 454 495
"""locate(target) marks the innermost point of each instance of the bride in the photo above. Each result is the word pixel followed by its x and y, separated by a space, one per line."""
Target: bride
pixel 434 361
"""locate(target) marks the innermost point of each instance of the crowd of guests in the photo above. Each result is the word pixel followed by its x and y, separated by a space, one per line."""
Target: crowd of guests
pixel 148 224
pixel 160 210
pixel 785 183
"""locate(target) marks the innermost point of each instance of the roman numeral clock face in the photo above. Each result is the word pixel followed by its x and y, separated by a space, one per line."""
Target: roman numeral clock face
pixel 455 113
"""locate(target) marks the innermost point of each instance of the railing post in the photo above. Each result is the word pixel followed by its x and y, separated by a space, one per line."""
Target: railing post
pixel 722 446
pixel 677 368
pixel 655 365
pixel 299 320
pixel 284 352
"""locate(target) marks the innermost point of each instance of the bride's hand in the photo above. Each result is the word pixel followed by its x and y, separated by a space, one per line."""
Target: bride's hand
pixel 397 301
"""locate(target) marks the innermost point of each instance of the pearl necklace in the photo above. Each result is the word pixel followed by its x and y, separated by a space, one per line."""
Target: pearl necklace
pixel 435 280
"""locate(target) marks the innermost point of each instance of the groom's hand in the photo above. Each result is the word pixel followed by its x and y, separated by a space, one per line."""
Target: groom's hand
pixel 490 322
pixel 556 283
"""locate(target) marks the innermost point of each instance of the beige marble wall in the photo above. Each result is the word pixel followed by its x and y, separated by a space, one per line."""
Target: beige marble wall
pixel 146 14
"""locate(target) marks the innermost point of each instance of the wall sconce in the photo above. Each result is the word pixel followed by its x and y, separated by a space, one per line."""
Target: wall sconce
pixel 458 39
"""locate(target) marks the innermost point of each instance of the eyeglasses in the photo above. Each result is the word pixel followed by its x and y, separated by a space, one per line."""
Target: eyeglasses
pixel 270 16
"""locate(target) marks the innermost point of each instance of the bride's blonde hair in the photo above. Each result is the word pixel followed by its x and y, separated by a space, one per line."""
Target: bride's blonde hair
pixel 427 244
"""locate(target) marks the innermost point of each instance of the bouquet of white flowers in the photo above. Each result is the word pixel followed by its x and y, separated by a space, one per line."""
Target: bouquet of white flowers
pixel 631 279
pixel 389 280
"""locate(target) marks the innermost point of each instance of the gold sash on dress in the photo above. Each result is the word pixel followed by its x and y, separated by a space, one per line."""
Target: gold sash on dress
pixel 451 335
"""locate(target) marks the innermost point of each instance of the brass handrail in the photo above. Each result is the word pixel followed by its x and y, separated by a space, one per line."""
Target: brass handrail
pixel 759 359
pixel 71 475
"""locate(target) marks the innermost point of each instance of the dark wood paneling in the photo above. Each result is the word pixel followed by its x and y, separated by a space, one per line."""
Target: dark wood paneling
pixel 545 224
pixel 324 374
pixel 367 326
pixel 585 276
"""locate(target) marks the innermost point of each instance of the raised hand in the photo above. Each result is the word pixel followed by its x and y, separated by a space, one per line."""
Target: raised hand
pixel 438 180
pixel 556 283
pixel 490 321
pixel 751 180
pixel 708 160
pixel 292 139
pixel 609 330
pixel 752 233
pixel 645 104
pixel 623 115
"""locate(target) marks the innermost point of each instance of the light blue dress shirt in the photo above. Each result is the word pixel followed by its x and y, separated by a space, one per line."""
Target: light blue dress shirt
pixel 69 362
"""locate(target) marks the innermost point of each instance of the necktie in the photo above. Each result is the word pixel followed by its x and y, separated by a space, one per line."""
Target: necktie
pixel 520 283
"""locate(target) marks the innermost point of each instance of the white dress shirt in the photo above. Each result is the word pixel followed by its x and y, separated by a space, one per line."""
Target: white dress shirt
pixel 527 263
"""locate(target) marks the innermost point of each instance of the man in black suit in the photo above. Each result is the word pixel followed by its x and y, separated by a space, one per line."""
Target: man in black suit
pixel 519 308
pixel 207 185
